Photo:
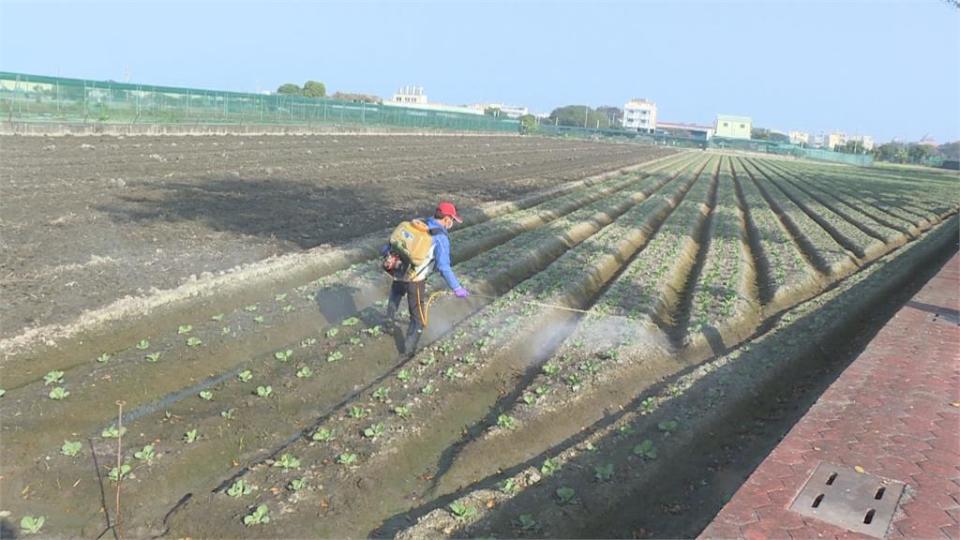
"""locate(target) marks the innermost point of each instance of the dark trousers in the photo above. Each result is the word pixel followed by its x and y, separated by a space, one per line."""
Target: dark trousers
pixel 416 293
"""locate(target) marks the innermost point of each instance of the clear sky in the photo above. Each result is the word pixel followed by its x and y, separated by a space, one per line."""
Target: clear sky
pixel 888 69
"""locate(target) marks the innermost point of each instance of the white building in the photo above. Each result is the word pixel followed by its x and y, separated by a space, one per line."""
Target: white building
pixel 640 115
pixel 832 140
pixel 865 141
pixel 799 137
pixel 734 127
pixel 509 111
pixel 410 95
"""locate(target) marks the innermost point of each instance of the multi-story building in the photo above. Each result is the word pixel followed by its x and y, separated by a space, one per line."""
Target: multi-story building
pixel 865 142
pixel 410 95
pixel 799 137
pixel 833 140
pixel 733 127
pixel 640 115
pixel 509 111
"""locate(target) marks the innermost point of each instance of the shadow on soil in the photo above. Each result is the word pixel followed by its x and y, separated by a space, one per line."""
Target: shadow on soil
pixel 683 493
pixel 288 210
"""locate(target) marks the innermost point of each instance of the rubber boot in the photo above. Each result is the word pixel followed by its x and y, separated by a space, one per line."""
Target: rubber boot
pixel 414 333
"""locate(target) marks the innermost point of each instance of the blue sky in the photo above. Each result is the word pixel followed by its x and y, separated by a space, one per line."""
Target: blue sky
pixel 889 69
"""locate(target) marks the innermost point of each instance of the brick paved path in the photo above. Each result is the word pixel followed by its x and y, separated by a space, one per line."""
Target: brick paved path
pixel 895 412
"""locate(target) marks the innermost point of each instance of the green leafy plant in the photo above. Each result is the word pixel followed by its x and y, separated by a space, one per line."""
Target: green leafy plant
pixel 550 369
pixel 184 329
pixel 357 412
pixel 506 421
pixel 228 414
pixel 603 473
pixel 250 308
pixel 287 461
pixel 334 356
pixel 258 319
pixel 381 394
pixel 374 431
pixel 648 405
pixel 550 466
pixel 351 321
pixel 308 342
pixel 646 450
pixel 53 377
pixel 145 454
pixel 347 458
pixel 356 341
pixel 428 390
pixel 103 358
pixel 280 297
pixel 2 392
pixel 402 411
pixel 403 375
pixel 528 398
pixel 427 360
pixel 668 426
pixel 218 317
pixel 112 432
pixel 332 333
pixel 116 474
pixel 565 494
pixel 283 356
pixel 526 522
pixel 190 436
pixel 288 308
pixel 152 357
pixel 143 345
pixel 461 511
pixel 245 375
pixel 264 391
pixel 32 524
pixel 322 435
pixel 58 393
pixel 304 372
pixel 374 331
pixel 508 486
pixel 206 395
pixel 259 516
pixel 239 488
pixel 297 484
pixel 71 448
pixel 225 330
pixel 194 341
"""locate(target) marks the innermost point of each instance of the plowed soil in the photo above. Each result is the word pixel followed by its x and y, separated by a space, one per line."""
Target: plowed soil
pixel 87 220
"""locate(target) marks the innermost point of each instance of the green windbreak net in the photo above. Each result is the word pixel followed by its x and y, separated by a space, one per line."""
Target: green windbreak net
pixel 34 98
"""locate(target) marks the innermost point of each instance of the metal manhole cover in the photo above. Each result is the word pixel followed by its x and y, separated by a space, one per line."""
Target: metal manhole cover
pixel 841 496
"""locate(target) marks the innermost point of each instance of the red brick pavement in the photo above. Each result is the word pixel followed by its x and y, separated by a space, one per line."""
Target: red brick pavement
pixel 895 411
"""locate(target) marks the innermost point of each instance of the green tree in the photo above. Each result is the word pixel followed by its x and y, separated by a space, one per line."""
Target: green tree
pixel 579 116
pixel 919 153
pixel 528 123
pixel 290 89
pixel 493 111
pixel 314 89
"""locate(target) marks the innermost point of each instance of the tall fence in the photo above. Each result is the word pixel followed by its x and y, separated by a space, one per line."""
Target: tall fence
pixel 36 98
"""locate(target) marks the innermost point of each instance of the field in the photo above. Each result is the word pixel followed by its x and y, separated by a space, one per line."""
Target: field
pixel 618 324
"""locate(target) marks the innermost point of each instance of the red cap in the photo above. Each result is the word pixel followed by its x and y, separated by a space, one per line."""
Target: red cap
pixel 445 209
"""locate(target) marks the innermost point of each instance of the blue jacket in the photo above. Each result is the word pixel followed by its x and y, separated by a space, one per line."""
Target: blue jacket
pixel 441 253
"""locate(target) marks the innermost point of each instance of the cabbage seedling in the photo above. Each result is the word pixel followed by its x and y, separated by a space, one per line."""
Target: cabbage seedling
pixel 332 333
pixel 143 345
pixel 549 466
pixel 70 448
pixel 506 421
pixel 297 484
pixel 218 317
pixel 374 431
pixel 403 375
pixel 258 319
pixel 280 297
pixel 603 473
pixel 53 377
pixel 146 454
pixel 194 341
pixel 258 517
pixel 322 435
pixel 184 329
pixel 508 486
pixel 334 356
pixel 288 308
pixel 190 436
pixel 351 321
pixel 461 511
pixel 357 412
pixel 58 393
pixel 228 414
pixel 402 411
pixel 668 426
pixel 264 391
pixel 304 372
pixel 526 522
pixel 103 358
pixel 153 357
pixel 283 356
pixel 287 461
pixel 32 524
pixel 251 307
pixel 239 489
pixel 645 450
pixel 381 394
pixel 116 474
pixel 245 375
pixel 347 459
pixel 566 494
pixel 206 395
pixel 112 432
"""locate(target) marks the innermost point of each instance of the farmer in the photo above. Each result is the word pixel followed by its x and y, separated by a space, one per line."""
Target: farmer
pixel 411 281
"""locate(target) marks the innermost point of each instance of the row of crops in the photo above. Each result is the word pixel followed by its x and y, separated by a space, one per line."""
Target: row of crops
pixel 295 413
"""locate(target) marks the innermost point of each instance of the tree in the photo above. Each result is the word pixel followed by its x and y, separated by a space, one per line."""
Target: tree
pixel 314 89
pixel 528 123
pixel 289 89
pixel 950 150
pixel 919 153
pixel 615 114
pixel 579 116
pixel 493 111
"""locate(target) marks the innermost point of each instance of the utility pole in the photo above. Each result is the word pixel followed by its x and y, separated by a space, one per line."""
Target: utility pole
pixel 586 111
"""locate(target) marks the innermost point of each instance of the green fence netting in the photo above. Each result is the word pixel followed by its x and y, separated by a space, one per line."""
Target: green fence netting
pixel 35 98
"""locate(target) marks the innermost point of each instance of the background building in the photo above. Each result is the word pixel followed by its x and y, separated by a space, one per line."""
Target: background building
pixel 863 141
pixel 640 115
pixel 508 111
pixel 833 140
pixel 799 137
pixel 414 97
pixel 679 129
pixel 734 127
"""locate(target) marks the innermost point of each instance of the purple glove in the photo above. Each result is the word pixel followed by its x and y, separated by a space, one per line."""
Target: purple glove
pixel 460 292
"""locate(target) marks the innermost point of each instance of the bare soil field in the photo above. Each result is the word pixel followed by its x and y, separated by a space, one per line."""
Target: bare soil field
pixel 87 220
